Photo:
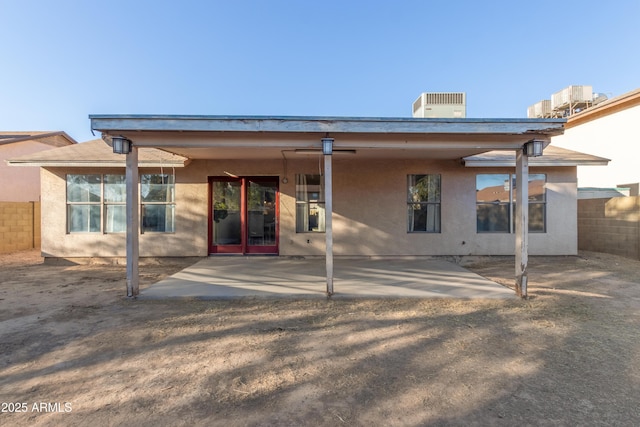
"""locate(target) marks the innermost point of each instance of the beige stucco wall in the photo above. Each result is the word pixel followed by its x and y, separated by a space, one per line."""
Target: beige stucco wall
pixel 20 184
pixel 370 212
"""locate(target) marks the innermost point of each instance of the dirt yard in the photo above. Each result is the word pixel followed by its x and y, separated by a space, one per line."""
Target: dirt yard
pixel 75 352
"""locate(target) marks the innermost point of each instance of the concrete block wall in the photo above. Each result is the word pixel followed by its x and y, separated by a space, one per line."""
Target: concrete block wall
pixel 19 226
pixel 610 226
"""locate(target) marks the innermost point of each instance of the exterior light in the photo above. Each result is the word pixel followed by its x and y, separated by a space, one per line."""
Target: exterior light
pixel 534 148
pixel 327 146
pixel 121 145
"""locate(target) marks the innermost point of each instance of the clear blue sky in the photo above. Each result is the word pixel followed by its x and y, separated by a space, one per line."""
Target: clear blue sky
pixel 65 59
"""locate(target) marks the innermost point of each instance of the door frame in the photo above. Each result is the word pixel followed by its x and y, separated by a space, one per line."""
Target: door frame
pixel 244 248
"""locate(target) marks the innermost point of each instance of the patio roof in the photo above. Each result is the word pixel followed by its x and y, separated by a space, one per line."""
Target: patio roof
pixel 227 137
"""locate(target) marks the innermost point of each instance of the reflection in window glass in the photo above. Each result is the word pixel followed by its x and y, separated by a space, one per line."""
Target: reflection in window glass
pixel 310 212
pixel 495 202
pixel 83 188
pixel 423 203
pixel 84 196
pixel 157 194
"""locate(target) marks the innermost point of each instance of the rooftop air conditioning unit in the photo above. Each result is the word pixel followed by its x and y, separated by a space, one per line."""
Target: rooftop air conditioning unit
pixel 570 96
pixel 440 105
pixel 540 110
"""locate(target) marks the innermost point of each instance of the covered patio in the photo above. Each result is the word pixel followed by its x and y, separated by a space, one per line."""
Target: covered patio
pixel 262 277
pixel 231 139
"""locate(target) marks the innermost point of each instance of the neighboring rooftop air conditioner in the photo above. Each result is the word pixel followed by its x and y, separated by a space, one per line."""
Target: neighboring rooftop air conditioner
pixel 540 110
pixel 440 105
pixel 572 97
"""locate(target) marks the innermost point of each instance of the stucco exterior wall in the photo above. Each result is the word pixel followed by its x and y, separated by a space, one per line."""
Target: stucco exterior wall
pixel 613 136
pixel 20 184
pixel 370 211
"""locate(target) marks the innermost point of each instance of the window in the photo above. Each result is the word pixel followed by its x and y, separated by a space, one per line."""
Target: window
pixel 84 197
pixel 158 203
pixel 115 197
pixel 495 203
pixel 310 213
pixel 423 203
pixel 97 203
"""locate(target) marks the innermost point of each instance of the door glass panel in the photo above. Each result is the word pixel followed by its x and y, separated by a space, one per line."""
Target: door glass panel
pixel 226 213
pixel 261 209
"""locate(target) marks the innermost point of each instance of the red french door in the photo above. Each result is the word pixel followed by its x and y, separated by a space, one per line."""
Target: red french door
pixel 243 215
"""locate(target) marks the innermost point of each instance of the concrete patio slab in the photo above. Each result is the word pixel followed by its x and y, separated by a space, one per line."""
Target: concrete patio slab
pixel 273 277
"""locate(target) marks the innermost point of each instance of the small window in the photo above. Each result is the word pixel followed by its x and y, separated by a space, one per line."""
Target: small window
pixel 157 198
pixel 115 196
pixel 423 203
pixel 310 212
pixel 84 198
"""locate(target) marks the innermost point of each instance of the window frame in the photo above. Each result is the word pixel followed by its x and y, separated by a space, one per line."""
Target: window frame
pixel 171 188
pixel 426 203
pixel 88 203
pixel 103 204
pixel 511 202
pixel 307 205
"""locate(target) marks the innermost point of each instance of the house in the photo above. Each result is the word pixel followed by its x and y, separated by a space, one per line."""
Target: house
pixel 20 189
pixel 310 186
pixel 25 183
pixel 608 129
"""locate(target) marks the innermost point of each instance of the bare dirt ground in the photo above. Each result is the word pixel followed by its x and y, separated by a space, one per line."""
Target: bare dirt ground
pixel 74 351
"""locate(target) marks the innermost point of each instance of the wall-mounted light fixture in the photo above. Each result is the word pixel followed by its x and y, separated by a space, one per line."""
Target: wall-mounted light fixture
pixel 121 145
pixel 534 148
pixel 327 146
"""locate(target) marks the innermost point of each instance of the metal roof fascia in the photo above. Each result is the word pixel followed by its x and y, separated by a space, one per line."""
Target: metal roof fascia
pixel 115 123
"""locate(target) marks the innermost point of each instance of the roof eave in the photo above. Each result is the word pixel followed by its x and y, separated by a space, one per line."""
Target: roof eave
pixel 94 164
pixel 301 124
pixel 550 163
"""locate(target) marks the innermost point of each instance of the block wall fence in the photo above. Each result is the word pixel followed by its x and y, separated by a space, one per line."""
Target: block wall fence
pixel 19 226
pixel 610 225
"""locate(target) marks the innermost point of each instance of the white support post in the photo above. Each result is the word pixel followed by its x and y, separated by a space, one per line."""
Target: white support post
pixel 133 224
pixel 522 221
pixel 328 207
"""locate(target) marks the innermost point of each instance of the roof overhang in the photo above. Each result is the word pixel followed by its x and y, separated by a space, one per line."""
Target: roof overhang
pixel 96 154
pixel 242 136
pixel 552 157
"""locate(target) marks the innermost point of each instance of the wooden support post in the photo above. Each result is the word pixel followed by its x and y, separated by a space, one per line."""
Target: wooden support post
pixel 328 207
pixel 133 224
pixel 522 222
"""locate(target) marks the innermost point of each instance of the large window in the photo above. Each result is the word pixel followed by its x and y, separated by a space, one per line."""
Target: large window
pixel 495 203
pixel 97 203
pixel 423 203
pixel 310 213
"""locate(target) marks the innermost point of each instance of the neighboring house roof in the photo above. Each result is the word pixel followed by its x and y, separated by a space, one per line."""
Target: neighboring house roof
pixel 55 139
pixel 501 193
pixel 552 156
pixel 96 153
pixel 611 106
